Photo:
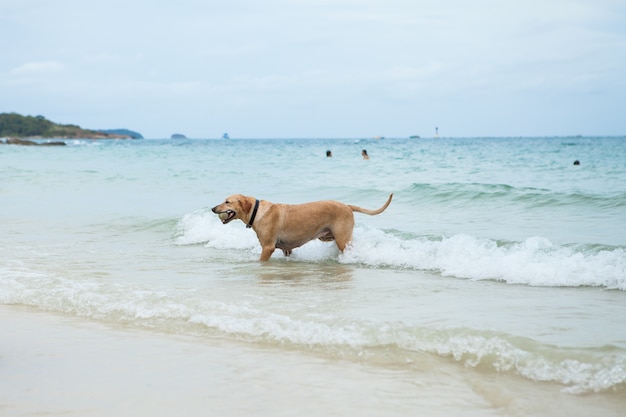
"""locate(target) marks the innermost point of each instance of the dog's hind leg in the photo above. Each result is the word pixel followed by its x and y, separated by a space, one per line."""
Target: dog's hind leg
pixel 343 235
pixel 342 243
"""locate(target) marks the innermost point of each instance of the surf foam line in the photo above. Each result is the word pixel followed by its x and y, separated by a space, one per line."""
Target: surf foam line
pixel 180 311
pixel 536 261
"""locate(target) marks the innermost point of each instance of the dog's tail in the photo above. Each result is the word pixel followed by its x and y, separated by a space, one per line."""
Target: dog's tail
pixel 372 212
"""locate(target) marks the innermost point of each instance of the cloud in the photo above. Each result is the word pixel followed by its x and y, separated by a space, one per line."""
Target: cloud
pixel 316 59
pixel 38 68
pixel 43 74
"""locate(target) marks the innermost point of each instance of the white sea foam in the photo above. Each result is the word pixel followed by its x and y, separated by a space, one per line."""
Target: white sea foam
pixel 535 261
pixel 185 312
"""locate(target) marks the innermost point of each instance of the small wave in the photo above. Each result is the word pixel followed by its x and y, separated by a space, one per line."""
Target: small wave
pixel 580 371
pixel 447 190
pixel 187 311
pixel 462 194
pixel 203 227
pixel 535 262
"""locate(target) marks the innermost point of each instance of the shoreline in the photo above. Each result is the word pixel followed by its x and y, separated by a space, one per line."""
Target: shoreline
pixel 29 142
pixel 52 141
pixel 63 365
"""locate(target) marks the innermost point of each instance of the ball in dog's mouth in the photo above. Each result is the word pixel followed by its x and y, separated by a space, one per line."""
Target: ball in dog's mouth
pixel 226 215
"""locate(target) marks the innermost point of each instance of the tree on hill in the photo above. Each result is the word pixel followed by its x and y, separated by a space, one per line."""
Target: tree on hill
pixel 13 124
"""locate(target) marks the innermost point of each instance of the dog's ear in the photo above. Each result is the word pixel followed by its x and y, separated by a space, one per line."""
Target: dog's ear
pixel 246 205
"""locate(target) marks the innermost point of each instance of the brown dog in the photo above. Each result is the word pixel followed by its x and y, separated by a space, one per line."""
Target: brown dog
pixel 286 226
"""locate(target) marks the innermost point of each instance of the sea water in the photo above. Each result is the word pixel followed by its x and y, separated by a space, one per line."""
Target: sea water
pixel 497 258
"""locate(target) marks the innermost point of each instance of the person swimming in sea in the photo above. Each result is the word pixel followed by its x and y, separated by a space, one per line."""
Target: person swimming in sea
pixel 364 154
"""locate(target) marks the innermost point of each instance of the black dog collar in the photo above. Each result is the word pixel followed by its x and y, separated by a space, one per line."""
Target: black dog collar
pixel 256 207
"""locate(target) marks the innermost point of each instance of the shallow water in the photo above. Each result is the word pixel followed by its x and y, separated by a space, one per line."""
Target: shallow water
pixel 498 260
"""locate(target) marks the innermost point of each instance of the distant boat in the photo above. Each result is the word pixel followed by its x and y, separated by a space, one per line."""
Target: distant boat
pixel 225 136
pixel 379 137
pixel 414 137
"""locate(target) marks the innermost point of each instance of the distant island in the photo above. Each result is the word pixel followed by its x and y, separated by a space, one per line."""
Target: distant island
pixel 178 136
pixel 15 126
pixel 123 132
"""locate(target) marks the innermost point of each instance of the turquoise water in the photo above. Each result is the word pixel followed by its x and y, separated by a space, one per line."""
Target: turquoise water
pixel 496 254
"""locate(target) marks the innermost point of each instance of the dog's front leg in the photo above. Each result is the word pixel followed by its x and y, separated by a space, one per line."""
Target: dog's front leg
pixel 266 253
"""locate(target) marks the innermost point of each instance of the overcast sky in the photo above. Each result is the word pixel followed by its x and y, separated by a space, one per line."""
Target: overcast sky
pixel 317 68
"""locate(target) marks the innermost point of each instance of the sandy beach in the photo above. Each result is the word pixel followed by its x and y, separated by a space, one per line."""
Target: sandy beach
pixel 62 366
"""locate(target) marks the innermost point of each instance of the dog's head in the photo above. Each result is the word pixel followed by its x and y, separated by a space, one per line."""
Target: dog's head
pixel 236 206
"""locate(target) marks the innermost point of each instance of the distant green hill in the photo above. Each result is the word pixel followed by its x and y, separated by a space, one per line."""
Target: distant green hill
pixel 13 125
